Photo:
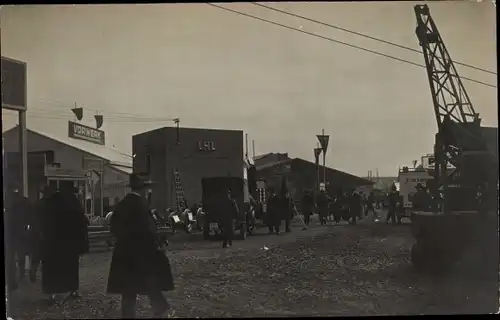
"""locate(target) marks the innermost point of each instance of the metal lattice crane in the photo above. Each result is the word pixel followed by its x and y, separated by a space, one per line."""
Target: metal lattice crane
pixel 441 238
pixel 459 139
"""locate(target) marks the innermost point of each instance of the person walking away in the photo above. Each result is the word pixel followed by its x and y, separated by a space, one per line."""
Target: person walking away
pixel 17 211
pixel 229 213
pixel 322 203
pixel 64 234
pixel 138 266
pixel 393 199
pixel 35 232
pixel 273 212
pixel 286 210
pixel 286 205
pixel 336 208
pixel 369 205
pixel 355 207
pixel 307 206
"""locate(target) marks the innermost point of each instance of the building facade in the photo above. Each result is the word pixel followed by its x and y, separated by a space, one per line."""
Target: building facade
pixel 194 153
pixel 55 159
pixel 301 175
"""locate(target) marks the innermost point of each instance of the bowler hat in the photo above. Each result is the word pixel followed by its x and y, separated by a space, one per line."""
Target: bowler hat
pixel 138 181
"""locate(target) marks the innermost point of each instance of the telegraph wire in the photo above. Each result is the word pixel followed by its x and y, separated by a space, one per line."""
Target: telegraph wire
pixel 62 116
pixel 63 105
pixel 338 41
pixel 362 35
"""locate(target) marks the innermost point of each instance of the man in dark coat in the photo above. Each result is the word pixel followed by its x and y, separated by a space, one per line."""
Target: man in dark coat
pixel 286 206
pixel 273 212
pixel 229 213
pixel 355 206
pixel 35 232
pixel 393 200
pixel 63 230
pixel 369 205
pixel 138 266
pixel 17 209
pixel 307 206
pixel 322 204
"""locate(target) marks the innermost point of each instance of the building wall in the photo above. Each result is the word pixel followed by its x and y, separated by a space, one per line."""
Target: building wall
pixel 67 156
pixel 152 143
pixel 302 175
pixel 193 164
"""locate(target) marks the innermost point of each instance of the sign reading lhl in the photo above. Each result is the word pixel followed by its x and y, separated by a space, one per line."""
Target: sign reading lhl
pixel 206 145
pixel 81 132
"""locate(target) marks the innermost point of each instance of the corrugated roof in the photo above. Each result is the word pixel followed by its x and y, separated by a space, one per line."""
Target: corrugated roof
pixel 272 164
pixel 261 156
pixel 331 170
pixel 103 152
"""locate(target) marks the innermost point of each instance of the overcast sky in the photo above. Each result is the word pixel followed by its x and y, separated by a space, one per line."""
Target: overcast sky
pixel 217 69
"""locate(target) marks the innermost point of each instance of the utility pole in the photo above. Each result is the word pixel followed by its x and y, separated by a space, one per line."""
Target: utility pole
pixel 317 152
pixel 323 140
pixel 253 148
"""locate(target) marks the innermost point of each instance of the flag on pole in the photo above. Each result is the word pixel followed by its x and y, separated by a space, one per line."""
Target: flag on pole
pixel 323 141
pixel 317 152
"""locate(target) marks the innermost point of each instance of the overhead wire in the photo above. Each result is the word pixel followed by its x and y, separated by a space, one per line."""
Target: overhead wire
pixel 68 116
pixel 338 41
pixel 362 35
pixel 108 112
pixel 50 106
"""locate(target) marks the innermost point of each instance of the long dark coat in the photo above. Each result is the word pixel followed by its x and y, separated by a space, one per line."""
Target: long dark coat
pixel 355 204
pixel 307 204
pixel 18 210
pixel 286 207
pixel 273 210
pixel 322 203
pixel 64 237
pixel 35 221
pixel 229 212
pixel 138 266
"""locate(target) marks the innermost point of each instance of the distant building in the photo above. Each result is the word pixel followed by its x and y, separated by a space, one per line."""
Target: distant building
pixel 201 153
pixel 269 158
pixel 302 175
pixel 54 160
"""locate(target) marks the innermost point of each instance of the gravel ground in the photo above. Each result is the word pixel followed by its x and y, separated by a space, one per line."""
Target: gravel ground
pixel 325 271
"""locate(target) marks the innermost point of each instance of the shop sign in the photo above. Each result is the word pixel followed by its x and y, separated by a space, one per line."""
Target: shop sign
pixel 81 132
pixel 206 145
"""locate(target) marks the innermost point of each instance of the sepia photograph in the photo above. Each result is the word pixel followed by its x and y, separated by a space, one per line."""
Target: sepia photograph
pixel 250 159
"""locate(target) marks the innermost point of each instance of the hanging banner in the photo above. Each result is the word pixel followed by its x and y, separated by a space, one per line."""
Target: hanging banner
pixel 317 152
pixel 323 141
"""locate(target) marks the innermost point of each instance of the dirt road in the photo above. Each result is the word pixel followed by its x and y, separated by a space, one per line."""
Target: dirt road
pixel 325 271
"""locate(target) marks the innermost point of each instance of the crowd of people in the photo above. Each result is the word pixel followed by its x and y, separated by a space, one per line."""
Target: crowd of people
pixel 53 232
pixel 345 206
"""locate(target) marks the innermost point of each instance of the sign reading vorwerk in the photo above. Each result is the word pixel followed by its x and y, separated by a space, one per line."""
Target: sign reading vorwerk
pixel 81 132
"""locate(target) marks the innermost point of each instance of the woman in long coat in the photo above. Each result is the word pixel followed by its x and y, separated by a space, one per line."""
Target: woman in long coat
pixel 138 266
pixel 64 238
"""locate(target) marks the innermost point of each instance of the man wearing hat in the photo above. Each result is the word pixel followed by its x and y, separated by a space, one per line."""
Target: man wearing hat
pixel 63 230
pixel 393 204
pixel 422 199
pixel 138 266
pixel 273 212
pixel 229 213
pixel 35 230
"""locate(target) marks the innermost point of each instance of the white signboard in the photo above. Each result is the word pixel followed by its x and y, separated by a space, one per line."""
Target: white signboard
pixel 408 182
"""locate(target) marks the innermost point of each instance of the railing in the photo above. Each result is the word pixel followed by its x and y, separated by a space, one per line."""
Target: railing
pixel 106 234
